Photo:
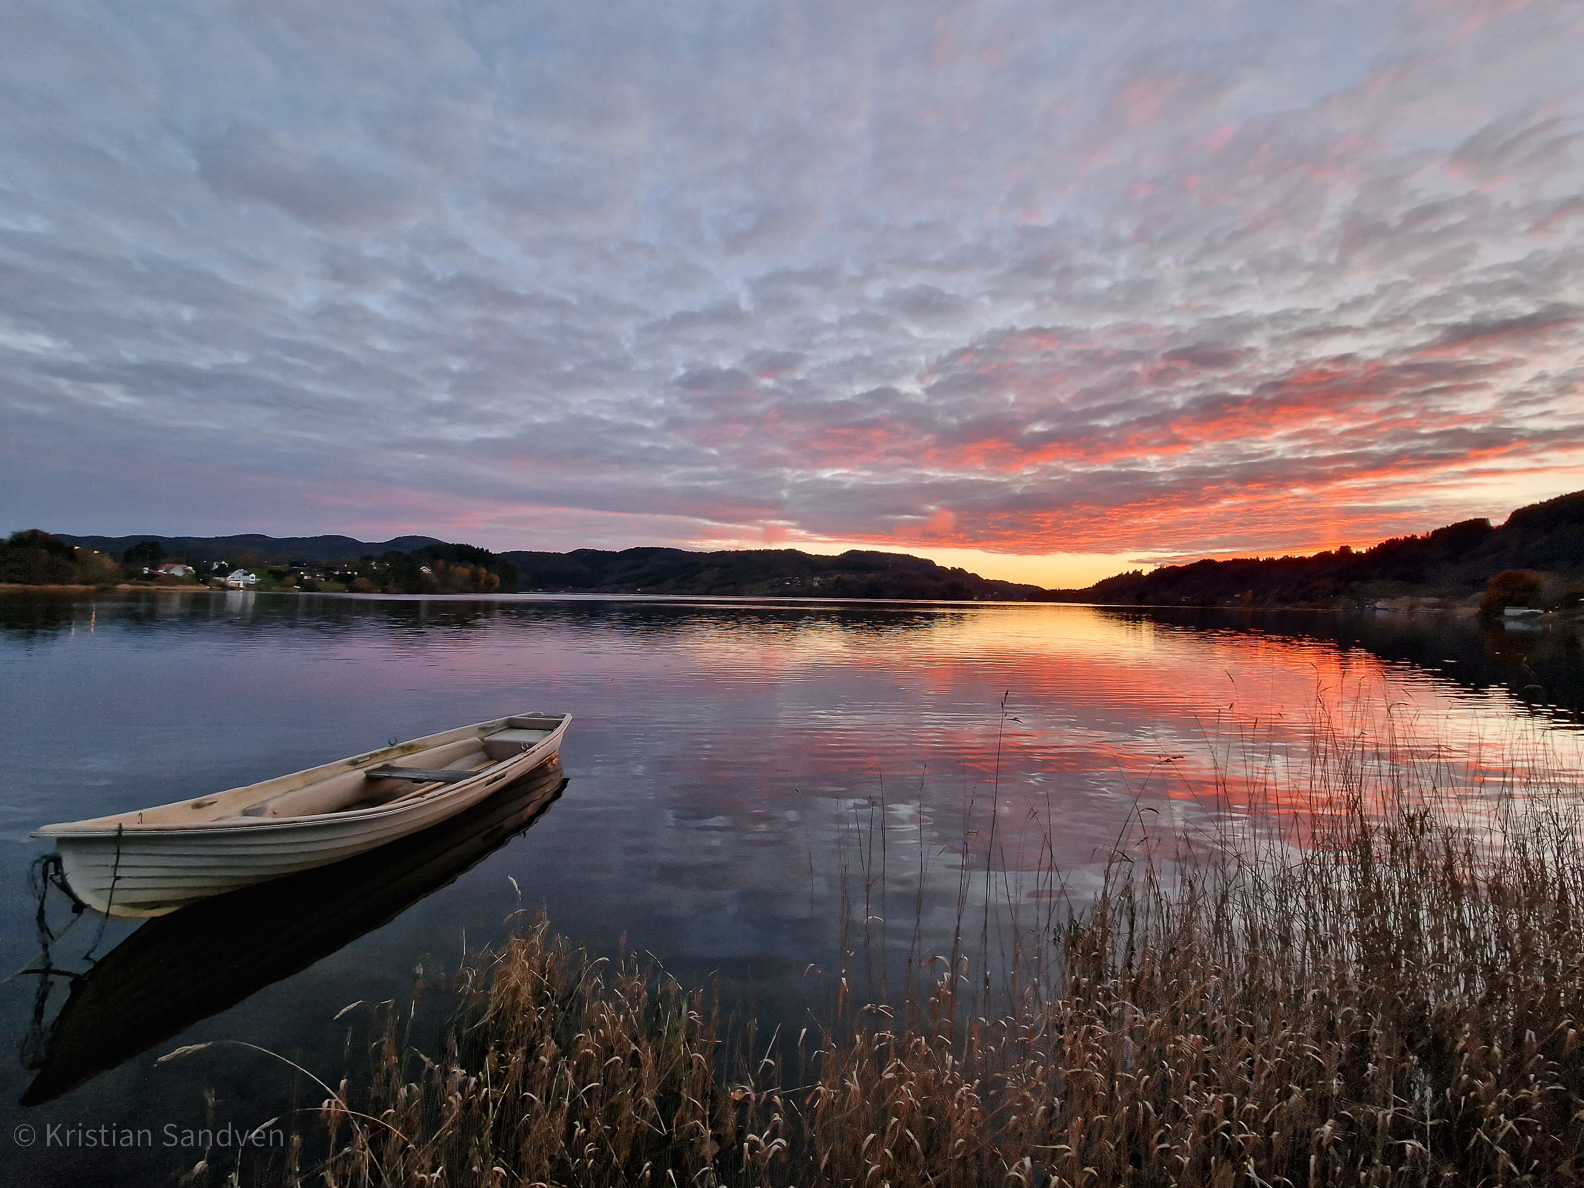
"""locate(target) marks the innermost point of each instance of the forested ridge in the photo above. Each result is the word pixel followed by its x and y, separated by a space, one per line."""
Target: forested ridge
pixel 1453 562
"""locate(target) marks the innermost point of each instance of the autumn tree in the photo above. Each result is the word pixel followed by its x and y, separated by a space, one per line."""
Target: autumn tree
pixel 1511 587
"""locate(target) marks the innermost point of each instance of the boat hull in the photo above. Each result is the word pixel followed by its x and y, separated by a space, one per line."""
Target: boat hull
pixel 172 972
pixel 150 871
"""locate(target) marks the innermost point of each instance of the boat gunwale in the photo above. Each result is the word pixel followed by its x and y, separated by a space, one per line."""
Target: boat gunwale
pixel 67 830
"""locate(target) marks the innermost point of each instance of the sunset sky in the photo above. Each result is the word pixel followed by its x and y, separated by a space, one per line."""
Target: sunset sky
pixel 1046 289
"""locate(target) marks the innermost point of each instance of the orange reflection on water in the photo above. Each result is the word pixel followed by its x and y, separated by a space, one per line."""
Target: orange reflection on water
pixel 1113 703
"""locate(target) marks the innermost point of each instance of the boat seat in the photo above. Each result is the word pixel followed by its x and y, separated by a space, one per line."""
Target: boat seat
pixel 503 744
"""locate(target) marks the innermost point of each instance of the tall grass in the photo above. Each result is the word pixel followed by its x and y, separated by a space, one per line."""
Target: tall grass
pixel 1374 994
pixel 558 1068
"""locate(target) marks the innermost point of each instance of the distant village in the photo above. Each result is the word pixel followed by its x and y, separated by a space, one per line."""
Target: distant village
pixel 146 563
pixel 36 558
pixel 220 574
pixel 366 575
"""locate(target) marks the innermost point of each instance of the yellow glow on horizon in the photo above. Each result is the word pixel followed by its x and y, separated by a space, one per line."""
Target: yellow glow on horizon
pixel 1056 571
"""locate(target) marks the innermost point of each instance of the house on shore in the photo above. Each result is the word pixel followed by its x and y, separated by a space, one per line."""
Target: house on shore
pixel 241 579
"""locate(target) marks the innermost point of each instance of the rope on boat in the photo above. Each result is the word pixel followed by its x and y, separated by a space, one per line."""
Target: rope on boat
pixel 46 872
pixel 104 918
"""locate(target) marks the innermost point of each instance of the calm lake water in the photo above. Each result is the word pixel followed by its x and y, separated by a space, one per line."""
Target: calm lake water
pixel 728 771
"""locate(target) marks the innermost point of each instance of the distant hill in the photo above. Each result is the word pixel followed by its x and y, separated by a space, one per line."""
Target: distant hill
pixel 305 549
pixel 757 573
pixel 1455 561
pixel 751 572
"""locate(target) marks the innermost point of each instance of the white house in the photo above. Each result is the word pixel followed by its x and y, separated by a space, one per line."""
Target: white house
pixel 241 579
pixel 175 569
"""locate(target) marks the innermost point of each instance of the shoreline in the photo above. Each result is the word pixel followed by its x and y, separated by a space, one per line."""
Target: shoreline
pixel 25 587
pixel 1408 606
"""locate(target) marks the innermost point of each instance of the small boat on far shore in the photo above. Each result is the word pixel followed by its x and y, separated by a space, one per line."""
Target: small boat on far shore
pixel 152 861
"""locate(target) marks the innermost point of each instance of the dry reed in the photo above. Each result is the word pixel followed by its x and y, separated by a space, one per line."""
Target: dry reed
pixel 1397 1000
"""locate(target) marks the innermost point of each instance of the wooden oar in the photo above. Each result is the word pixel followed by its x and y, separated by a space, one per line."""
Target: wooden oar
pixel 421 775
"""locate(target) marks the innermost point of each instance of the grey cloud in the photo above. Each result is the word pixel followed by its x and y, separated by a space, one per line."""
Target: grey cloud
pixel 1553 317
pixel 924 302
pixel 316 188
pixel 1519 142
pixel 1203 355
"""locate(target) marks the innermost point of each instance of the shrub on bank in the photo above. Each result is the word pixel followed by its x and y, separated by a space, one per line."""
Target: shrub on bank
pixel 1511 587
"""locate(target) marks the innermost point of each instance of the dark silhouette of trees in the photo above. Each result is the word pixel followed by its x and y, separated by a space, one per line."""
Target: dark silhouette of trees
pixel 146 554
pixel 1455 561
pixel 35 558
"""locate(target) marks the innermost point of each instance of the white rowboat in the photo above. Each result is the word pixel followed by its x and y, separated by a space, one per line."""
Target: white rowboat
pixel 152 861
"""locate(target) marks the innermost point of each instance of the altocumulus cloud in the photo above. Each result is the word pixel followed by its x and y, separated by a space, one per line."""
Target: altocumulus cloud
pixel 1167 278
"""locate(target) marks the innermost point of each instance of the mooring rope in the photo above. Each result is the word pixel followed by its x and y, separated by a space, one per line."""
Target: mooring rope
pixel 47 871
pixel 104 917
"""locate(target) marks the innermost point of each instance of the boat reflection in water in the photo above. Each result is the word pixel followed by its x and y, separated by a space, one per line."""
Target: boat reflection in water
pixel 178 969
